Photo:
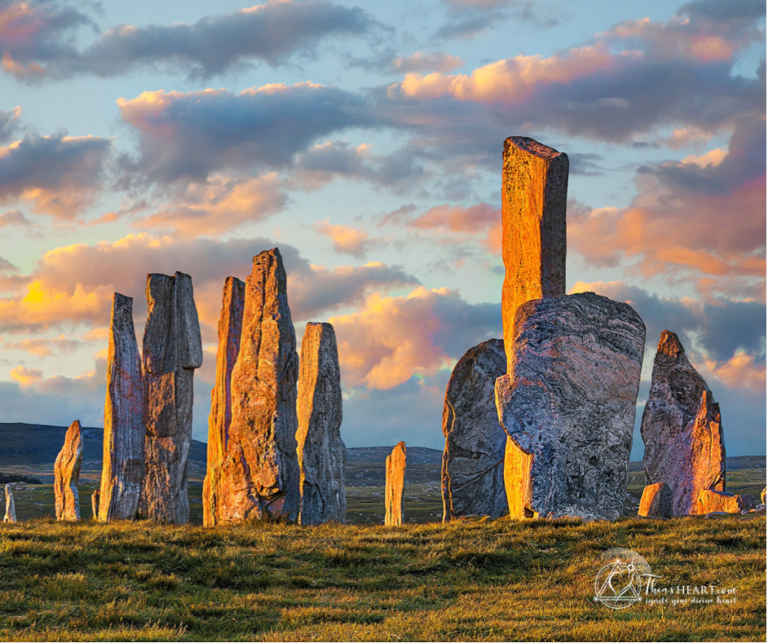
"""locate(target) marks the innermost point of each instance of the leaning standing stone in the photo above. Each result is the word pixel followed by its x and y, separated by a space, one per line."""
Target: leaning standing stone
pixel 394 486
pixel 681 428
pixel 569 402
pixel 473 458
pixel 123 463
pixel 320 449
pixel 656 501
pixel 66 472
pixel 10 505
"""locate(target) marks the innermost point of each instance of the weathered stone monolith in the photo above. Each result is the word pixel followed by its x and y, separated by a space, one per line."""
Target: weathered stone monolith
pixel 394 486
pixel 230 328
pixel 172 351
pixel 123 463
pixel 260 464
pixel 656 501
pixel 10 505
pixel 709 501
pixel 320 449
pixel 534 191
pixel 66 472
pixel 473 457
pixel 95 504
pixel 684 443
pixel 569 402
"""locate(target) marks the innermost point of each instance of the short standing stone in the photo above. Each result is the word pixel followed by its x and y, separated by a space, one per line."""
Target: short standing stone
pixel 260 468
pixel 534 192
pixel 394 486
pixel 473 458
pixel 762 496
pixel 172 351
pixel 517 480
pixel 123 463
pixel 10 505
pixel 230 327
pixel 569 402
pixel 320 449
pixel 656 501
pixel 67 475
pixel 95 504
pixel 710 501
pixel 681 428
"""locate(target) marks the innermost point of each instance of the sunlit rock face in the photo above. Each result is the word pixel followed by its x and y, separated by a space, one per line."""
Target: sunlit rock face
pixel 681 428
pixel 320 449
pixel 260 471
pixel 656 501
pixel 230 328
pixel 394 486
pixel 95 503
pixel 709 501
pixel 10 505
pixel 172 351
pixel 123 463
pixel 473 457
pixel 534 192
pixel 569 402
pixel 66 471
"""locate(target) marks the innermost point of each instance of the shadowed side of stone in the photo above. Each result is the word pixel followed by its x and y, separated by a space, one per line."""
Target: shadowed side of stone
pixel 656 501
pixel 569 402
pixel 230 327
pixel 123 464
pixel 394 486
pixel 681 428
pixel 473 458
pixel 66 472
pixel 321 451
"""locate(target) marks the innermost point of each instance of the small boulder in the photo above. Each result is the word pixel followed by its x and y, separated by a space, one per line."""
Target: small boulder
pixel 656 501
pixel 711 501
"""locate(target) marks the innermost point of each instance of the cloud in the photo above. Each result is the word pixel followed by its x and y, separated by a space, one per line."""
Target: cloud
pixel 26 376
pixel 9 123
pixel 346 240
pixel 471 18
pixel 60 175
pixel 14 218
pixel 46 347
pixel 422 61
pixel 36 39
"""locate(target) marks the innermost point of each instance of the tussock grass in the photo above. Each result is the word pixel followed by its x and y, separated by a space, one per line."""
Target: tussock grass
pixel 490 580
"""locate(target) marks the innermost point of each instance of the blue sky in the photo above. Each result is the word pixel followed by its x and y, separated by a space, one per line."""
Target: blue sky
pixel 365 140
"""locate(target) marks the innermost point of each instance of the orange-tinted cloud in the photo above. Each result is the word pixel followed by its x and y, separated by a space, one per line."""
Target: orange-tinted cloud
pixel 26 376
pixel 346 239
pixel 46 347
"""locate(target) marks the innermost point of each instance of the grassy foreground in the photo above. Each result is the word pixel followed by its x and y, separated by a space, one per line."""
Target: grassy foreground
pixel 492 580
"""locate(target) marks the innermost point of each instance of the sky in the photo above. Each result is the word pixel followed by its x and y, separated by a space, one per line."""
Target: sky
pixel 364 139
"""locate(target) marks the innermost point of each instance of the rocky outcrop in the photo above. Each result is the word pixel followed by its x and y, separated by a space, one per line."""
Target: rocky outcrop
pixel 394 486
pixel 709 501
pixel 533 198
pixel 260 467
pixel 320 449
pixel 123 463
pixel 66 472
pixel 10 505
pixel 172 351
pixel 684 443
pixel 569 402
pixel 95 504
pixel 473 458
pixel 230 327
pixel 656 501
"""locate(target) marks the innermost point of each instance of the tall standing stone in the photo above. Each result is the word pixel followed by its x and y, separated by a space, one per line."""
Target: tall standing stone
pixel 95 504
pixel 66 472
pixel 473 457
pixel 321 451
pixel 569 402
pixel 10 505
pixel 172 351
pixel 394 486
pixel 230 327
pixel 534 192
pixel 681 428
pixel 260 464
pixel 123 462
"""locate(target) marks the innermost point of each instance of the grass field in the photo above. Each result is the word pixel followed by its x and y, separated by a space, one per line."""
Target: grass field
pixel 491 580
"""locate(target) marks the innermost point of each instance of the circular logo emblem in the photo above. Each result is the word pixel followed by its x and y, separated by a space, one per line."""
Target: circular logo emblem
pixel 620 581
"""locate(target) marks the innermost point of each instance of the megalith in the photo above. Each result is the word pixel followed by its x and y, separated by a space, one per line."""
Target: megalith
pixel 656 501
pixel 10 505
pixel 710 501
pixel 394 486
pixel 66 471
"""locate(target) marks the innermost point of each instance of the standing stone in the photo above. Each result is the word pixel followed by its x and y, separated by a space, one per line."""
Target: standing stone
pixel 260 468
pixel 709 501
pixel 66 472
pixel 320 449
pixel 517 480
pixel 473 458
pixel 123 463
pixel 230 327
pixel 569 402
pixel 172 351
pixel 534 192
pixel 684 444
pixel 394 486
pixel 656 501
pixel 95 504
pixel 10 505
